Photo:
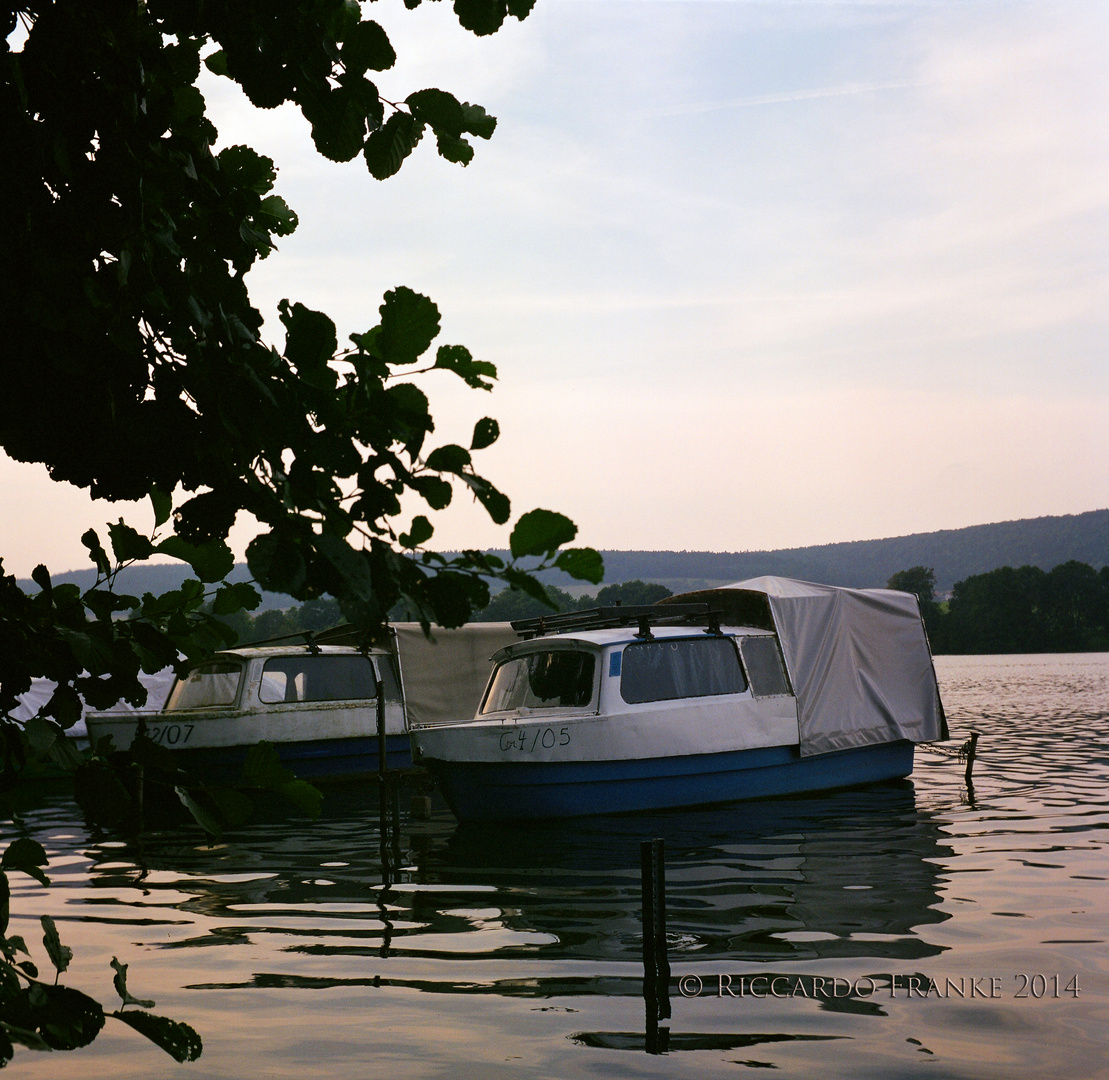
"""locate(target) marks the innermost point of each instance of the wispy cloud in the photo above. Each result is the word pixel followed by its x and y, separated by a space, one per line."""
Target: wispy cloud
pixel 784 97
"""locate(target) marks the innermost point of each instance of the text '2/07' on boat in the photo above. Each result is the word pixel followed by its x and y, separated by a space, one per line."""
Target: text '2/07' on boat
pixel 767 687
pixel 316 703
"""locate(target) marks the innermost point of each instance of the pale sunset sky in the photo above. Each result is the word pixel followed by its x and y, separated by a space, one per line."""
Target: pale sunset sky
pixel 754 275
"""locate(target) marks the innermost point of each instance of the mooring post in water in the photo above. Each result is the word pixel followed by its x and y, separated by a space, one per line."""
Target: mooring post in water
pixel 382 778
pixel 971 747
pixel 656 965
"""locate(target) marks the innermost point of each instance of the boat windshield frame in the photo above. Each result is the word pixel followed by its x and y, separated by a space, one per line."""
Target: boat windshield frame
pixel 208 686
pixel 517 681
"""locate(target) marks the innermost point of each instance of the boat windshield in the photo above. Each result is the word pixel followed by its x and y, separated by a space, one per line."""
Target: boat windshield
pixel 326 678
pixel 207 686
pixel 688 668
pixel 558 678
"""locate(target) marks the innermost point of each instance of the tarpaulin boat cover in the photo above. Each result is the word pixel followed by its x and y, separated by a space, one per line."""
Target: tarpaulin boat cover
pixel 858 659
pixel 157 686
pixel 444 678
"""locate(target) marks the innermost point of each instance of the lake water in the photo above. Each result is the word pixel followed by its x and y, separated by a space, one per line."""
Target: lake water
pixel 901 931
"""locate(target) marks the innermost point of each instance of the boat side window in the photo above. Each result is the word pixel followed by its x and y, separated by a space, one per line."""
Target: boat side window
pixel 323 678
pixel 559 678
pixel 764 666
pixel 664 670
pixel 207 686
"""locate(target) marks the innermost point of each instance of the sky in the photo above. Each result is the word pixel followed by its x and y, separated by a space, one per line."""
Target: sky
pixel 754 275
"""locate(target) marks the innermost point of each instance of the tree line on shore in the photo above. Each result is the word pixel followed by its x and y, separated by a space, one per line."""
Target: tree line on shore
pixel 1007 610
pixel 1015 610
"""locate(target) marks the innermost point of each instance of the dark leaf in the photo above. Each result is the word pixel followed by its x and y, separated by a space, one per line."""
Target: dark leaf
pixel 277 563
pixel 27 855
pixel 151 755
pixel 235 807
pixel 41 577
pixel 65 706
pixel 304 796
pixel 457 358
pixel 310 343
pixel 390 144
pixel 216 63
pixel 280 218
pixel 211 561
pixel 41 734
pixel 367 48
pixel 127 544
pixel 66 1018
pixel 60 955
pixel 585 564
pixel 437 493
pixel 102 797
pixel 180 1041
pixel 454 148
pixel 420 532
pixel 119 980
pixel 523 581
pixel 482 17
pixel 450 458
pixel 263 769
pixel 541 532
pixel 439 110
pixel 247 168
pixel 97 553
pixel 496 504
pixel 477 121
pixel 235 597
pixel 162 503
pixel 409 324
pixel 486 432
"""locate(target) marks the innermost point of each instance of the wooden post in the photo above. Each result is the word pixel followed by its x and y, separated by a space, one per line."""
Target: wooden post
pixel 971 747
pixel 382 777
pixel 656 965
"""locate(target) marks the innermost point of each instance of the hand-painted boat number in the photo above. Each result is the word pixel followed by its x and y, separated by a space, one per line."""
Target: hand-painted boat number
pixel 527 741
pixel 170 734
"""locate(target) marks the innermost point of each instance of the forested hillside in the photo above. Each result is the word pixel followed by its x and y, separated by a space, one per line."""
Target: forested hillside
pixel 954 555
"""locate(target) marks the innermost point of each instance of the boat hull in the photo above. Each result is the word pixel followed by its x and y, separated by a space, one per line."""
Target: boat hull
pixel 215 750
pixel 319 759
pixel 491 791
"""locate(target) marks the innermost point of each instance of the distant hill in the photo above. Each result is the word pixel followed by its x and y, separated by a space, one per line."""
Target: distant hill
pixel 954 554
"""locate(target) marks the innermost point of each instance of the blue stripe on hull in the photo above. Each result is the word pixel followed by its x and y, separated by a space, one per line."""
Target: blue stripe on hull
pixel 321 759
pixel 477 791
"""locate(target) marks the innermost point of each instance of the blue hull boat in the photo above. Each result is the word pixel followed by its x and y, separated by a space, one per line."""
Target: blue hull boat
pixel 478 791
pixel 769 687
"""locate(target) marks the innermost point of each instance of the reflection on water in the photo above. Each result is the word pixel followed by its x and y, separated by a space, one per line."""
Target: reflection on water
pixel 516 949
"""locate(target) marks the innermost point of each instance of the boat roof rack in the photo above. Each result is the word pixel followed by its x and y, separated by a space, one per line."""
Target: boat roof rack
pixel 644 616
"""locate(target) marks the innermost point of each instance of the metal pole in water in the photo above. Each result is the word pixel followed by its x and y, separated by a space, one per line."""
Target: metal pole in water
pixel 656 966
pixel 382 776
pixel 971 747
pixel 662 961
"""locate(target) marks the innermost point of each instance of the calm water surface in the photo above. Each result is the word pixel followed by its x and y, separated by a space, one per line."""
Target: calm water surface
pixel 515 950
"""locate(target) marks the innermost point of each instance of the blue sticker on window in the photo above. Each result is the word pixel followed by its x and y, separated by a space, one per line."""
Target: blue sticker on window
pixel 614 664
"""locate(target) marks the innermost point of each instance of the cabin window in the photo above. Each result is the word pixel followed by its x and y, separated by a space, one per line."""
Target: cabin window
pixel 208 686
pixel 764 666
pixel 663 670
pixel 325 678
pixel 559 678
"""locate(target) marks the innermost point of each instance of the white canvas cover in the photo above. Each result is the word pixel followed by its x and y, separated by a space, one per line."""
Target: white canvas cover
pixel 157 690
pixel 445 677
pixel 859 662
